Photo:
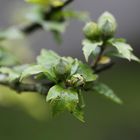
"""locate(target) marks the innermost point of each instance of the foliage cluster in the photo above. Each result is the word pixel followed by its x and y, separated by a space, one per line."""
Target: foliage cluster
pixel 64 80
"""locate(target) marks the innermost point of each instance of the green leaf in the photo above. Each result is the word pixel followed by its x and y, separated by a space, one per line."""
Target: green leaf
pixel 106 91
pixel 86 72
pixel 12 74
pixel 133 57
pixel 62 99
pixel 90 47
pixel 32 70
pixel 74 67
pixel 79 114
pixel 11 33
pixel 54 26
pixel 124 49
pixel 35 14
pixel 48 58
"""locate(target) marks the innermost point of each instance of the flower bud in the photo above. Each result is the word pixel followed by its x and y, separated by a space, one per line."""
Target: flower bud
pixel 91 30
pixel 107 24
pixel 62 67
pixel 77 80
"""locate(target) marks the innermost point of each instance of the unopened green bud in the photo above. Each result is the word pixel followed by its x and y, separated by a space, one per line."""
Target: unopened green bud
pixel 77 80
pixel 91 30
pixel 107 24
pixel 62 67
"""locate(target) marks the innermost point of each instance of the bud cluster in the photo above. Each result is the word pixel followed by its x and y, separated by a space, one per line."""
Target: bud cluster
pixel 104 28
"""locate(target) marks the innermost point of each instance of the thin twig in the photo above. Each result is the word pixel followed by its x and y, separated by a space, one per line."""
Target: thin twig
pixel 106 67
pixel 95 65
pixel 22 87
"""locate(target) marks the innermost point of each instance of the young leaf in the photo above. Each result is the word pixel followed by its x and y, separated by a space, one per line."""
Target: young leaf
pixel 87 73
pixel 89 47
pixel 32 70
pixel 106 91
pixel 74 67
pixel 35 14
pixel 12 74
pixel 54 26
pixel 62 99
pixel 48 58
pixel 79 114
pixel 124 49
pixel 133 57
pixel 11 33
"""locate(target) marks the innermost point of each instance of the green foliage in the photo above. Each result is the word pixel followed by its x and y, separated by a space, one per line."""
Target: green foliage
pixel 124 50
pixel 86 72
pixel 90 47
pixel 31 70
pixel 64 80
pixel 100 36
pixel 48 58
pixel 107 92
pixel 62 99
pixel 12 74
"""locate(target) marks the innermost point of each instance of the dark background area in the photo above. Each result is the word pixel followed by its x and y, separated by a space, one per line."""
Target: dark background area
pixel 104 119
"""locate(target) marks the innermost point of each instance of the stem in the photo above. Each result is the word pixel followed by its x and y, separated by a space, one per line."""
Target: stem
pixel 105 67
pixel 95 65
pixel 81 99
pixel 21 87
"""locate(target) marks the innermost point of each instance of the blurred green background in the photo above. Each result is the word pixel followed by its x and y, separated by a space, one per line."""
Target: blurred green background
pixel 21 118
